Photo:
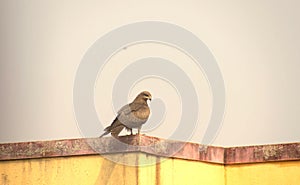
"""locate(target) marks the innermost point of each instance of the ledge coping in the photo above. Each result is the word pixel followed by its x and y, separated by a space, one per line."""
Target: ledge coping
pixel 150 145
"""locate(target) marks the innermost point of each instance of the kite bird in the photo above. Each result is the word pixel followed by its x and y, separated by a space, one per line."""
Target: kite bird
pixel 130 116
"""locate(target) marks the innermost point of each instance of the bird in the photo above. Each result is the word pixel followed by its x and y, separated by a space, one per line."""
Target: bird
pixel 132 115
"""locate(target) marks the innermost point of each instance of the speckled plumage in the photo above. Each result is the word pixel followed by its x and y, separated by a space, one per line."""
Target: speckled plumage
pixel 130 116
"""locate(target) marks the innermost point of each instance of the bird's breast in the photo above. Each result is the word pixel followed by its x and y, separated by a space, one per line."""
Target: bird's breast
pixel 143 113
pixel 136 118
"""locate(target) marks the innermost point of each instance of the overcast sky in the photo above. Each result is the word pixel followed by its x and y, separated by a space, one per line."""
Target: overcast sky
pixel 255 45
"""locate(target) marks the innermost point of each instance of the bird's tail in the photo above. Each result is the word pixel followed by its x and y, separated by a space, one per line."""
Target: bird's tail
pixel 105 133
pixel 107 130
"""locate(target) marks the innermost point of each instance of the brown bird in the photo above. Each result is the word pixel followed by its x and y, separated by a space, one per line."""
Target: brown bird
pixel 130 116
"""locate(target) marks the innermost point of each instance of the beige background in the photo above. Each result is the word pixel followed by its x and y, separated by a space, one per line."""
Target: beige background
pixel 256 44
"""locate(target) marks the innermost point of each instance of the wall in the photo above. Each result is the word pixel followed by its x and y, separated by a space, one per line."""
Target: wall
pixel 103 161
pixel 97 170
pixel 272 173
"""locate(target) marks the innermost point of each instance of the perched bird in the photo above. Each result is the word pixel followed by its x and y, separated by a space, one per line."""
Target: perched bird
pixel 130 116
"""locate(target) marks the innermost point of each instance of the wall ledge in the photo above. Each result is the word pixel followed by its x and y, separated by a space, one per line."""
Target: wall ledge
pixel 150 145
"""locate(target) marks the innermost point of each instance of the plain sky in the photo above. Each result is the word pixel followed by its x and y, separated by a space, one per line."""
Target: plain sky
pixel 255 43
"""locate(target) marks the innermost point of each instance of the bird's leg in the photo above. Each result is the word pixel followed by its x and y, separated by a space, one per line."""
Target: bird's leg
pixel 139 131
pixel 129 129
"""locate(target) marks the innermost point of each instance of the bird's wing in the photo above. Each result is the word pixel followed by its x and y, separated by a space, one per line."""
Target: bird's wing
pixel 124 110
pixel 115 128
pixel 114 124
pixel 132 107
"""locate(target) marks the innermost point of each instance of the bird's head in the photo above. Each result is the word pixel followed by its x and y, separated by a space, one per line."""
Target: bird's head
pixel 145 95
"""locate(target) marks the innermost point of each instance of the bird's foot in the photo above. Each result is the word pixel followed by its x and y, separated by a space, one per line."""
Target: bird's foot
pixel 140 134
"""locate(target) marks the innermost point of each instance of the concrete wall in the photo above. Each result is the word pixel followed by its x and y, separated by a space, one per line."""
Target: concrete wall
pixel 78 162
pixel 91 170
pixel 270 173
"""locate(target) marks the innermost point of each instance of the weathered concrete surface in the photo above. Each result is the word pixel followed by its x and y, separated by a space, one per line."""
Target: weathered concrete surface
pixel 146 160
